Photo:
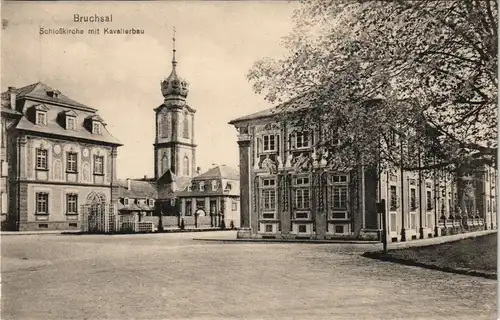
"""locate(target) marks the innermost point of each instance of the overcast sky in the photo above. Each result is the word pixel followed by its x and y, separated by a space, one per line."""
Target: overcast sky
pixel 217 43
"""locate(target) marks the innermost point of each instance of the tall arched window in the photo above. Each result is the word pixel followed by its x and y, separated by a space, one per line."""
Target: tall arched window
pixel 164 163
pixel 164 125
pixel 185 165
pixel 185 126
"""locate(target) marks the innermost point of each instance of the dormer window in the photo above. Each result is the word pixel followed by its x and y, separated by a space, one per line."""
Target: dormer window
pixel 96 127
pixel 125 201
pixel 41 118
pixel 53 93
pixel 70 123
pixel 214 185
pixel 202 186
pixel 190 188
pixel 151 202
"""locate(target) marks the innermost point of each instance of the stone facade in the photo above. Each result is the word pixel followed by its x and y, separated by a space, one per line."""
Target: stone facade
pixel 288 191
pixel 60 156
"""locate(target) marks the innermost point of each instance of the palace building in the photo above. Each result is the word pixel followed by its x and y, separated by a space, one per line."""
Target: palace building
pixel 288 191
pixel 57 155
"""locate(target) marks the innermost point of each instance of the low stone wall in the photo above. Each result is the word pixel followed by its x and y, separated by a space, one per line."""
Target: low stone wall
pixel 438 240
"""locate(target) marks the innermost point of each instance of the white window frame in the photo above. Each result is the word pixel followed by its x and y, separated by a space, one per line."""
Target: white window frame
pixel 70 123
pixel 303 134
pixel 96 127
pixel 413 208
pixel 69 203
pixel 270 137
pixel 39 201
pixel 98 165
pixel 41 118
pixel 202 186
pixel 42 156
pixel 268 194
pixel 125 201
pixel 72 164
pixel 214 185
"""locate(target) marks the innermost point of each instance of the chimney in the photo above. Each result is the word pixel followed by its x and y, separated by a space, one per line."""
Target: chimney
pixel 128 183
pixel 198 170
pixel 13 97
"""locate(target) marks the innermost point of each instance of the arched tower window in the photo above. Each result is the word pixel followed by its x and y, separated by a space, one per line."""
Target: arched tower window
pixel 164 125
pixel 185 165
pixel 185 126
pixel 164 164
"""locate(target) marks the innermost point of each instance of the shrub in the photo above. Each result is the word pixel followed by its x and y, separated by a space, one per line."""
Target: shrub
pixel 222 225
pixel 231 225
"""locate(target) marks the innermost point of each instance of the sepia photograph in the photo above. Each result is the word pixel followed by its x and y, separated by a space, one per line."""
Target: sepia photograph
pixel 309 159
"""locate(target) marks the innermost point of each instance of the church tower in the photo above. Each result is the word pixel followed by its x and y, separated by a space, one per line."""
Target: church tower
pixel 174 145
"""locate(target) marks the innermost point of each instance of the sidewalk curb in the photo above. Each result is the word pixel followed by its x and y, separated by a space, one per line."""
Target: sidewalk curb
pixel 381 256
pixel 78 233
pixel 288 241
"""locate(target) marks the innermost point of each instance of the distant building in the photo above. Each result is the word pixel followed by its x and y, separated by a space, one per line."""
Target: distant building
pixel 57 155
pixel 288 190
pixel 137 197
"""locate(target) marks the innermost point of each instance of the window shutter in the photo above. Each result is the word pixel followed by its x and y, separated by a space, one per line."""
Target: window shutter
pixel 260 147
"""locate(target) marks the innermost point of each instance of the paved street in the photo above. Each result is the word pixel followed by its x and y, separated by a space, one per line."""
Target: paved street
pixel 170 276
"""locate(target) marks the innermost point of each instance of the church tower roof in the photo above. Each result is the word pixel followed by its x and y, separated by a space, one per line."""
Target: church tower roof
pixel 174 86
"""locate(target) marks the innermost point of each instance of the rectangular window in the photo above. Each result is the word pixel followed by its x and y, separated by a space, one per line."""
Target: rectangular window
pixel 202 186
pixel 269 228
pixel 96 128
pixel 72 162
pixel 234 206
pixel 339 178
pixel 189 208
pixel 429 200
pixel 394 198
pixel 302 198
pixel 339 198
pixel 269 199
pixel 302 181
pixel 302 228
pixel 339 229
pixel 41 159
pixel 70 123
pixel 98 164
pixel 269 142
pixel 41 118
pixel 302 139
pixel 71 203
pixel 200 203
pixel 413 199
pixel 42 203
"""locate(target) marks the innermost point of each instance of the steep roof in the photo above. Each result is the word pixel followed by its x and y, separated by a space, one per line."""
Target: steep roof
pixel 39 91
pixel 220 172
pixel 138 189
pixel 59 104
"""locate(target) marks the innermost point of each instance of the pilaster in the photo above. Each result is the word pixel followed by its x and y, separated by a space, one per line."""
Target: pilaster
pixel 244 142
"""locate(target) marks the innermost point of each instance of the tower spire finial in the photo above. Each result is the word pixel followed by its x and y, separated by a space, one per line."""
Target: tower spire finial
pixel 174 62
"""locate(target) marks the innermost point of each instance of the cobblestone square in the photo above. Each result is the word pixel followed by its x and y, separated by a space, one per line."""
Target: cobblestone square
pixel 170 276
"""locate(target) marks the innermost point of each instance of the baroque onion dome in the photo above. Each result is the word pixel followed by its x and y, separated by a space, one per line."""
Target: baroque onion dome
pixel 174 85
